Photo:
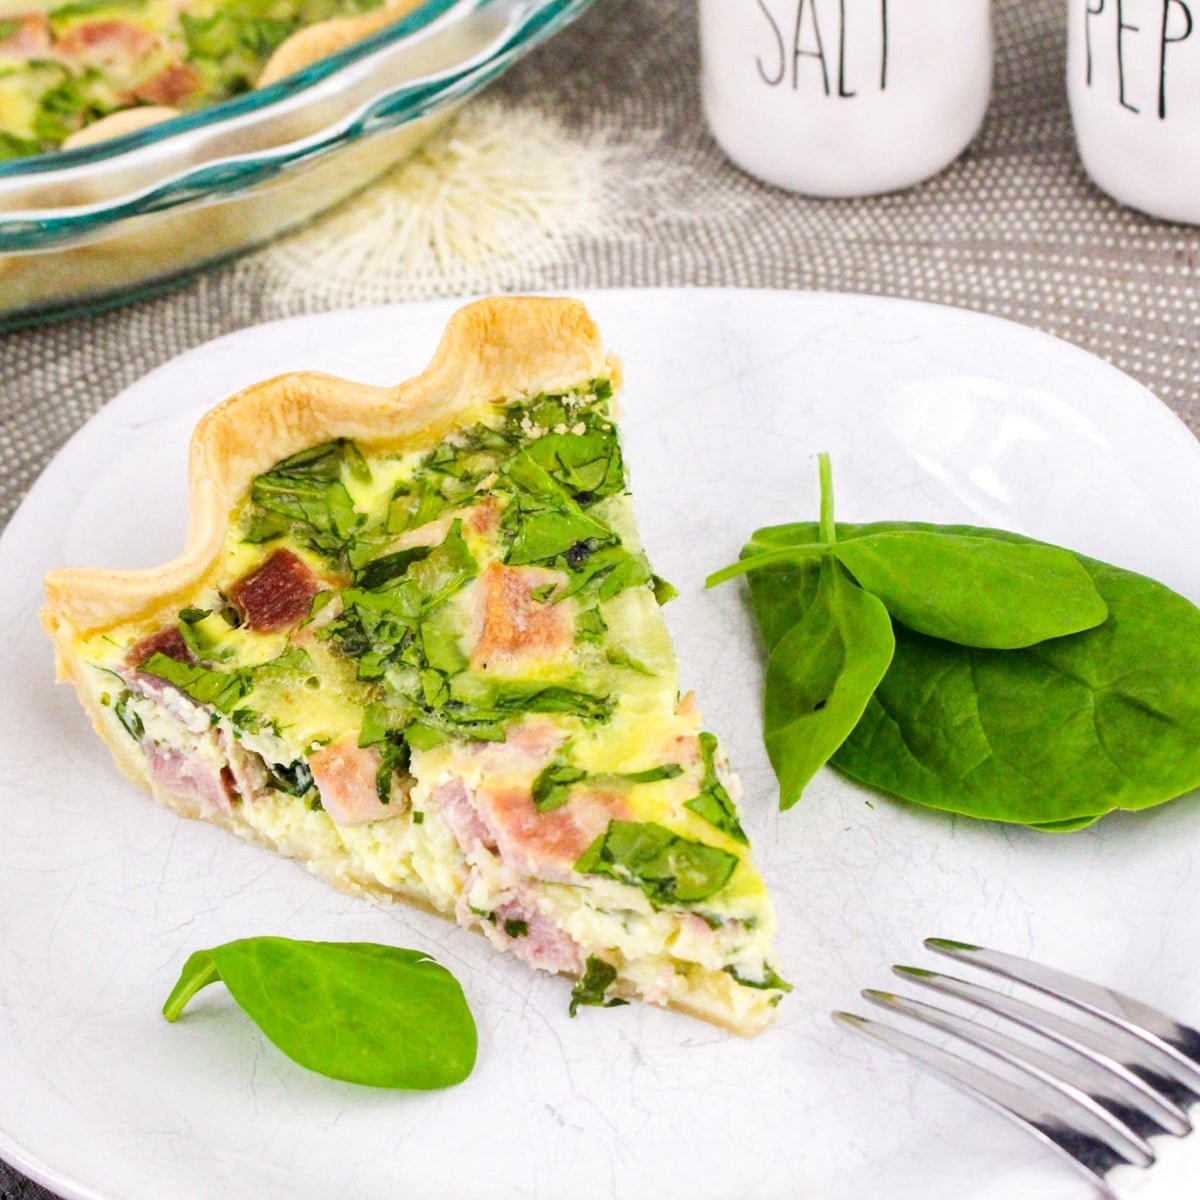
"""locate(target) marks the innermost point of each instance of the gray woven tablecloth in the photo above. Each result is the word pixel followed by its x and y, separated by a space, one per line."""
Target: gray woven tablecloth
pixel 1014 229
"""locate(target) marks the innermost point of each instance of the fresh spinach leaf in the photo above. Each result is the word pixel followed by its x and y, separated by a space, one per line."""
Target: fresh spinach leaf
pixel 355 1011
pixel 975 591
pixel 950 585
pixel 669 868
pixel 829 643
pixel 755 558
pixel 903 708
pixel 821 676
pixel 1051 735
pixel 592 986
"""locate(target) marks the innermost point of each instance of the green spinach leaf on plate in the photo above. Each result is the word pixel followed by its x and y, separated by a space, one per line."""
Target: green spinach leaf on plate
pixel 1056 734
pixel 820 677
pixel 355 1011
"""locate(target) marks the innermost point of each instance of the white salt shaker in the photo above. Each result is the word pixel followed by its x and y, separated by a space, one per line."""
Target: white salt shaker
pixel 845 97
pixel 1133 76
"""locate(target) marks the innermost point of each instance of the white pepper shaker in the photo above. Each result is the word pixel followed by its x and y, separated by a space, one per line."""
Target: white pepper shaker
pixel 845 97
pixel 1133 77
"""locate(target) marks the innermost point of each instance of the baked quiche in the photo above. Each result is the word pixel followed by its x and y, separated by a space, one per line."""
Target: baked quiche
pixel 415 642
pixel 73 72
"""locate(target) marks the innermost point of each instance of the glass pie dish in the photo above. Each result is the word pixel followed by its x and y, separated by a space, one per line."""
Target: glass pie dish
pixel 105 223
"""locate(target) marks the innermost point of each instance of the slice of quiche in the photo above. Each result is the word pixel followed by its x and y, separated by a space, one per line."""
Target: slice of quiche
pixel 414 642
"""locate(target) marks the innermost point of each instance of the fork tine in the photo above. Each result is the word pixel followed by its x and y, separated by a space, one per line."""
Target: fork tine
pixel 1118 1054
pixel 1089 1088
pixel 1179 1043
pixel 1083 1148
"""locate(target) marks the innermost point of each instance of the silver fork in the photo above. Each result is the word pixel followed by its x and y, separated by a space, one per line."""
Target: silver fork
pixel 1124 1074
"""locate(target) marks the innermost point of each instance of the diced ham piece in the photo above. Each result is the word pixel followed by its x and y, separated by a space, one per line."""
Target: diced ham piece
pixel 534 736
pixel 547 845
pixel 529 744
pixel 30 38
pixel 344 773
pixel 168 641
pixel 502 818
pixel 543 944
pixel 514 628
pixel 171 85
pixel 106 41
pixel 458 812
pixel 276 595
pixel 190 778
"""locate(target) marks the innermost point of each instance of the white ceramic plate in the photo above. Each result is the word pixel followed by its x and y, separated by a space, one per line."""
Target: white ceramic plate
pixel 930 414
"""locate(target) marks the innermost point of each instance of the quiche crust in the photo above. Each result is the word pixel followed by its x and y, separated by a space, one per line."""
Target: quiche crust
pixel 497 349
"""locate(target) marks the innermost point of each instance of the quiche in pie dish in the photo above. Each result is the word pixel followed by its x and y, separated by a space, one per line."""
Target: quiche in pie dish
pixel 414 641
pixel 83 70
